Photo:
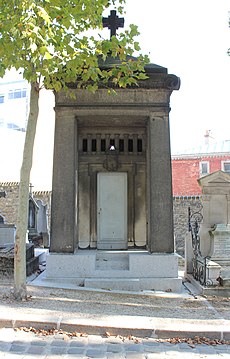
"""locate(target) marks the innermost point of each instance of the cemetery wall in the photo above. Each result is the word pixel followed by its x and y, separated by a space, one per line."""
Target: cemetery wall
pixel 9 204
pixel 180 212
pixel 9 207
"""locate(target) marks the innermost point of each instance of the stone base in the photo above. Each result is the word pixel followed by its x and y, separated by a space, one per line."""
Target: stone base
pixel 7 259
pixel 221 291
pixel 120 270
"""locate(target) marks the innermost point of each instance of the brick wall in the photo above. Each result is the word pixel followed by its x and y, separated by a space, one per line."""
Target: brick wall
pixel 186 172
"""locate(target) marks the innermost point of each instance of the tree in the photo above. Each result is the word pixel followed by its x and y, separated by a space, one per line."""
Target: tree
pixel 46 41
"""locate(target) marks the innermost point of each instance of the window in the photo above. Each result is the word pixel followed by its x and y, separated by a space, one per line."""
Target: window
pixel 84 145
pixel 103 145
pixel 121 145
pixel 1 98
pixel 94 145
pixel 204 168
pixel 139 145
pixel 17 93
pixel 130 145
pixel 225 166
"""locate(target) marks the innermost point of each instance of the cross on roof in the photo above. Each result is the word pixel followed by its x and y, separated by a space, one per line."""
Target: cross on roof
pixel 31 188
pixel 113 22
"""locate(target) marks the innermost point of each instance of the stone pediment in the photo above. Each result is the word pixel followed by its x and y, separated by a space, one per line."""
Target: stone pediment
pixel 217 183
pixel 218 177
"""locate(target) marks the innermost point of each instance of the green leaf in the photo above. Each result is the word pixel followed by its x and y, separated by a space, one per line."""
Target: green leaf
pixel 49 39
pixel 142 76
pixel 43 14
pixel 47 56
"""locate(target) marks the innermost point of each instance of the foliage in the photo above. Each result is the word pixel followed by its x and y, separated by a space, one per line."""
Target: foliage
pixel 50 41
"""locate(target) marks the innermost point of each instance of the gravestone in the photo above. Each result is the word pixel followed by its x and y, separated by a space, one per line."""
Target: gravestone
pixel 38 223
pixel 112 188
pixel 220 236
pixel 32 218
pixel 42 223
pixel 7 231
pixel 214 230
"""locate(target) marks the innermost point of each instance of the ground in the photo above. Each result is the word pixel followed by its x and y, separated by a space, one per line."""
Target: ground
pixel 93 304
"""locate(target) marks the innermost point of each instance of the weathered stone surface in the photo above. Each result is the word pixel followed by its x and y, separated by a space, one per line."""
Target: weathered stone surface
pixel 9 203
pixel 180 210
pixel 7 259
pixel 102 117
pixel 180 213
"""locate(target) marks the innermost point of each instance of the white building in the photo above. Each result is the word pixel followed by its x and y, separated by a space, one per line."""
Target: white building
pixel 14 111
pixel 14 103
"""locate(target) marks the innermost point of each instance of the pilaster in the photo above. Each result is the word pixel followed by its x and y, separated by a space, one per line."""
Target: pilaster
pixel 159 186
pixel 64 193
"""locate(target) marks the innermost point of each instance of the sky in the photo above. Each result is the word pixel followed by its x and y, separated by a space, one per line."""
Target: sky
pixel 191 39
pixel 188 37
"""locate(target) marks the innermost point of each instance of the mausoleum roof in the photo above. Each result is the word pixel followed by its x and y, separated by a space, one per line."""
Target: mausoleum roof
pixel 115 61
pixel 157 76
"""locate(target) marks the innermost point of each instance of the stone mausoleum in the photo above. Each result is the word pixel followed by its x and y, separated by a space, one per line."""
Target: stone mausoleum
pixel 112 209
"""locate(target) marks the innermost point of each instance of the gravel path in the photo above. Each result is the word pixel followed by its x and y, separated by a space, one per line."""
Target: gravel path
pixel 92 304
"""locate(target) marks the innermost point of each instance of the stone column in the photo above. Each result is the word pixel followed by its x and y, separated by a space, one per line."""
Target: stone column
pixel 159 186
pixel 228 208
pixel 64 193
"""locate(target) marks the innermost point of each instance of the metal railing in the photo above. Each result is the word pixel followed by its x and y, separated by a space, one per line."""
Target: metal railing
pixel 200 270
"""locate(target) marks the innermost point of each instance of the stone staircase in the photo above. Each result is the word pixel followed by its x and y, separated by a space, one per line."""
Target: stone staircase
pixel 128 270
pixel 112 261
pixel 115 264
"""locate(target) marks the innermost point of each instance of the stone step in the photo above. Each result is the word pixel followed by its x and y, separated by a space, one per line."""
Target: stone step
pixel 108 261
pixel 129 284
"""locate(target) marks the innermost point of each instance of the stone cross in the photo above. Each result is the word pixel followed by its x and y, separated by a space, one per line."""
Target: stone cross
pixel 31 189
pixel 113 22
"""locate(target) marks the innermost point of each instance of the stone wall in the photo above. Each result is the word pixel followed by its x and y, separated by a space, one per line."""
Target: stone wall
pixel 180 211
pixel 9 206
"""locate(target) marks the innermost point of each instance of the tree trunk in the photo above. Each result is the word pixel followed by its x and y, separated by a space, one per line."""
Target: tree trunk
pixel 20 291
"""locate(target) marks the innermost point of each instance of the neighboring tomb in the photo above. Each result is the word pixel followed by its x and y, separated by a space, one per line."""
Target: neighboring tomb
pixel 7 259
pixel 38 223
pixel 213 237
pixel 7 231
